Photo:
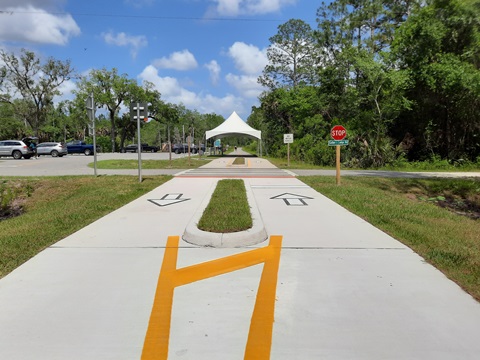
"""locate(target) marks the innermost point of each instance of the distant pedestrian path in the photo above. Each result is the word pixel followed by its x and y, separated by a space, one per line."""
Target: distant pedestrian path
pixel 225 167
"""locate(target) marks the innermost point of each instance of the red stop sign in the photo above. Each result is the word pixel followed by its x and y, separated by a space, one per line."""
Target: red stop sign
pixel 338 132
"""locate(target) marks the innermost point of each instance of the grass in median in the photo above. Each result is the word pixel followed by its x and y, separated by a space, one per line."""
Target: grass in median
pixel 408 210
pixel 239 161
pixel 228 210
pixel 56 207
pixel 182 163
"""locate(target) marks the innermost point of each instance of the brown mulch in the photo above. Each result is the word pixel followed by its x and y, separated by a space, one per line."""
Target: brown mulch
pixel 463 207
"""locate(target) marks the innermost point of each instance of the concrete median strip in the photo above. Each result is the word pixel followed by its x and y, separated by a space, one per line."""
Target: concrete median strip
pixel 255 235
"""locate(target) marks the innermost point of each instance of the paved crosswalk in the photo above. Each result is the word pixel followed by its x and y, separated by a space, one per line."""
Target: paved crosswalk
pixel 236 173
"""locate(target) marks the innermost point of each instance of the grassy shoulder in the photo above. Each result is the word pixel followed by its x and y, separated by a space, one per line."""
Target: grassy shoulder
pixel 431 166
pixel 183 163
pixel 408 210
pixel 228 210
pixel 57 207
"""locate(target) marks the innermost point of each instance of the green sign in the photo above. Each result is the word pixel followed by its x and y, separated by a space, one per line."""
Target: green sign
pixel 337 142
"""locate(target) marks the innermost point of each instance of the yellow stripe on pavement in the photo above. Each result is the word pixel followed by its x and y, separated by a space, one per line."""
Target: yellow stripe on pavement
pixel 261 326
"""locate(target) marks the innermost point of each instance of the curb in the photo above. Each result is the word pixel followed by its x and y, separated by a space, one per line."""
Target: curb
pixel 255 235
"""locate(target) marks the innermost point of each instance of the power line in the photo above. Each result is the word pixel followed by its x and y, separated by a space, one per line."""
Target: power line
pixel 188 18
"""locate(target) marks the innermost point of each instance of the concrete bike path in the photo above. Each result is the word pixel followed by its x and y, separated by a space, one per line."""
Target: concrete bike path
pixel 345 290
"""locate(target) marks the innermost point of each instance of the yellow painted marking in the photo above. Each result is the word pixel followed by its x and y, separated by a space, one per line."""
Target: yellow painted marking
pixel 158 333
pixel 261 325
pixel 248 163
pixel 259 341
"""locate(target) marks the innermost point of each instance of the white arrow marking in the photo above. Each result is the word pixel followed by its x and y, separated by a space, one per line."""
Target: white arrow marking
pixel 168 199
pixel 292 199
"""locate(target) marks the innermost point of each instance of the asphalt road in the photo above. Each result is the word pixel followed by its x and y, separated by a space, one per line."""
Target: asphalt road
pixel 78 165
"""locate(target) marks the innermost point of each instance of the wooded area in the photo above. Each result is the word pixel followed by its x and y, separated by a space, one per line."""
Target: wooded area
pixel 402 76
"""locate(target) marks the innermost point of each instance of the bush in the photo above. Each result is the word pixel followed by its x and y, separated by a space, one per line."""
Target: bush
pixel 311 150
pixel 104 142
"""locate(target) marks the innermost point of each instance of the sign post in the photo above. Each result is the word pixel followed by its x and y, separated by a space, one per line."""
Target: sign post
pixel 137 111
pixel 217 145
pixel 288 139
pixel 90 105
pixel 338 134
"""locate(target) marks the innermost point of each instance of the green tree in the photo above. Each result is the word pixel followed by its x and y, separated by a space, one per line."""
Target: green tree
pixel 10 126
pixel 33 83
pixel 439 45
pixel 110 91
pixel 292 56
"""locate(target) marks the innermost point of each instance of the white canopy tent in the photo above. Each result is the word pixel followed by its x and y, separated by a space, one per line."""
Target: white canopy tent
pixel 233 126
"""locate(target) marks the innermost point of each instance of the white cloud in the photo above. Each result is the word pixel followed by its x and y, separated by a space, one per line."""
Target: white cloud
pixel 248 7
pixel 135 43
pixel 172 92
pixel 249 59
pixel 34 25
pixel 214 69
pixel 179 60
pixel 66 89
pixel 246 85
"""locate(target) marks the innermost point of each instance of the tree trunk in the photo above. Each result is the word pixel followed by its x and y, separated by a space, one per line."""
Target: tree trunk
pixel 113 131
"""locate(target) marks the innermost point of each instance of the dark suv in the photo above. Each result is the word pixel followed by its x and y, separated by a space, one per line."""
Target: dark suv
pixel 183 148
pixel 15 148
pixel 145 147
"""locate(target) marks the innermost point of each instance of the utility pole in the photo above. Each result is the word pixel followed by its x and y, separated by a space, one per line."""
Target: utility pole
pixel 91 129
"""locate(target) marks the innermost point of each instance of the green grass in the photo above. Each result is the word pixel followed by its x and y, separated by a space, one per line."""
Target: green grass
pixel 432 166
pixel 228 210
pixel 57 207
pixel 406 209
pixel 183 163
pixel 239 161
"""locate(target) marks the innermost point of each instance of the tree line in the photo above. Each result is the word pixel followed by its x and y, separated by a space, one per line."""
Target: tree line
pixel 402 76
pixel 28 87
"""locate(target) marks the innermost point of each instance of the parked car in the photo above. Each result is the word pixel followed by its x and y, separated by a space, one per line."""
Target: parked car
pixel 15 148
pixel 80 147
pixel 145 147
pixel 183 148
pixel 52 148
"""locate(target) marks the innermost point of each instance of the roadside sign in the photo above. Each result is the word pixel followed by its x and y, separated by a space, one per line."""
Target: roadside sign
pixel 338 132
pixel 288 139
pixel 337 142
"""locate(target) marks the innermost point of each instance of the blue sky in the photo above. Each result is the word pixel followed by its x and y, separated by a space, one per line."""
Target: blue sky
pixel 205 54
